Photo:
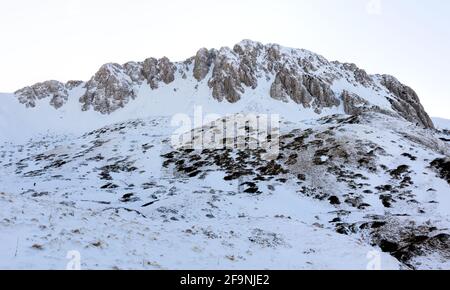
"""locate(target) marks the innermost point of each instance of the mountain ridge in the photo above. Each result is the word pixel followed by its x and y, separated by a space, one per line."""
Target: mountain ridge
pixel 229 75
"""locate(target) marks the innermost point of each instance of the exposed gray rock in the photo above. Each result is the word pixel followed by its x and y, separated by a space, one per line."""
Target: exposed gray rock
pixel 273 56
pixel 321 92
pixel 353 104
pixel 150 72
pixel 406 102
pixel 303 89
pixel 166 70
pixel 70 85
pixel 248 67
pixel 49 89
pixel 202 63
pixel 359 75
pixel 111 88
pixel 156 71
pixel 134 70
pixel 236 69
pixel 58 100
pixel 226 81
pixel 294 74
pixel 289 85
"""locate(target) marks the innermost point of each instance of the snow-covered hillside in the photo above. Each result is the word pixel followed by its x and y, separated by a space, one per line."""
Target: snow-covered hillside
pixel 361 178
pixel 251 77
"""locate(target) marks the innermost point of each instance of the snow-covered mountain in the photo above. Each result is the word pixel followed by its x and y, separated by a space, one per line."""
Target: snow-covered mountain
pixel 250 77
pixel 89 166
pixel 441 124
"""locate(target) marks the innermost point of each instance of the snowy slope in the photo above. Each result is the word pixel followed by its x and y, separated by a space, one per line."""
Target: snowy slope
pixel 190 224
pixel 110 195
pixel 251 77
pixel 361 179
pixel 19 123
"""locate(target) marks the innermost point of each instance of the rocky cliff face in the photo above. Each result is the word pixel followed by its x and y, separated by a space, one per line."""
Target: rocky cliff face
pixel 303 89
pixel 291 75
pixel 406 102
pixel 110 89
pixel 56 91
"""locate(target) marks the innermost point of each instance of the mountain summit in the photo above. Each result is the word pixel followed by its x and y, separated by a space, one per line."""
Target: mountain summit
pixel 296 76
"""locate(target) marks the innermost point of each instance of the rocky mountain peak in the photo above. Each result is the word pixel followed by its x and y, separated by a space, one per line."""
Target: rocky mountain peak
pixel 273 71
pixel 111 88
pixel 56 91
pixel 407 102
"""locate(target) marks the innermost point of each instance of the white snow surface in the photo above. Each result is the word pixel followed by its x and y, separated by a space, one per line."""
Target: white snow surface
pixel 55 197
pixel 45 217
pixel 175 222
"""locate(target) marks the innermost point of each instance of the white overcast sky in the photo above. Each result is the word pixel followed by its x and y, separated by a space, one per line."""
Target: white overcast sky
pixel 71 39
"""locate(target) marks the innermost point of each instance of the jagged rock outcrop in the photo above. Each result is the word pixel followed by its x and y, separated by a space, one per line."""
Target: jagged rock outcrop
pixel 406 103
pixel 235 70
pixel 271 70
pixel 150 72
pixel 202 63
pixel 111 88
pixel 226 82
pixel 360 75
pixel 156 71
pixel 353 104
pixel 289 85
pixel 273 56
pixel 303 89
pixel 248 66
pixel 50 89
pixel 166 70
pixel 70 85
pixel 134 71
